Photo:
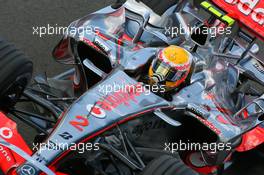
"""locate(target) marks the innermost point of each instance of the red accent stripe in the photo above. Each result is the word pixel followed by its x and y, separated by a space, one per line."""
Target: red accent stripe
pixel 119 45
pixel 102 36
pixel 245 113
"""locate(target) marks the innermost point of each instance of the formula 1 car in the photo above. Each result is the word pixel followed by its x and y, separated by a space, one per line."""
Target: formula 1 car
pixel 111 123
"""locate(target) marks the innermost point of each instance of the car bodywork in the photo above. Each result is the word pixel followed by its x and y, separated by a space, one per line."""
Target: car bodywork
pixel 249 13
pixel 82 125
pixel 207 99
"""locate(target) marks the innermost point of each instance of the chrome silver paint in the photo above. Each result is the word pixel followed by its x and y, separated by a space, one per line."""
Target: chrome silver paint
pixel 140 8
pixel 142 103
pixel 217 77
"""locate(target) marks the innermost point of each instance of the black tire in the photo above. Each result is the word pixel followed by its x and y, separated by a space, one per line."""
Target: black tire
pixel 15 74
pixel 168 165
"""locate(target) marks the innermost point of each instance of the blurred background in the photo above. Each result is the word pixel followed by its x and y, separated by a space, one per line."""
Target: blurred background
pixel 17 19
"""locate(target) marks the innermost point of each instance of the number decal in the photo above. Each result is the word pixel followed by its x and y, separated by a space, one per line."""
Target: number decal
pixel 80 122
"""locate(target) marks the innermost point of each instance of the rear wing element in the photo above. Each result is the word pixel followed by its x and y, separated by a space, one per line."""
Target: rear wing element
pixel 248 12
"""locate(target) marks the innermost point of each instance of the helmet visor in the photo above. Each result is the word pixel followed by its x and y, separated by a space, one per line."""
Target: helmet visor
pixel 166 71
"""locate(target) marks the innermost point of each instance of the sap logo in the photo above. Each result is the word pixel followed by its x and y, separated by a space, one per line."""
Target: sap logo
pixel 247 7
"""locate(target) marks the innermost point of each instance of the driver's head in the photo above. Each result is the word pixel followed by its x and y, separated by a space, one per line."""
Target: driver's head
pixel 170 67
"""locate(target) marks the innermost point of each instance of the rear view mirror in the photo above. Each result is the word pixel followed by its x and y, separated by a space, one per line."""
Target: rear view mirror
pixel 63 53
pixel 146 17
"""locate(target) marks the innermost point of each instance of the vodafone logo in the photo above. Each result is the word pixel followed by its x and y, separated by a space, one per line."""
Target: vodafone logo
pixel 6 133
pixel 5 153
pixel 248 7
pixel 96 111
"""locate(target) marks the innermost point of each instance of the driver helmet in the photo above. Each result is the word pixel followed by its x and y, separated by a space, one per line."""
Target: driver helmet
pixel 171 67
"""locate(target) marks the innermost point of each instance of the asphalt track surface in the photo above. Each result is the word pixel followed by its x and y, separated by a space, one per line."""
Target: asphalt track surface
pixel 17 19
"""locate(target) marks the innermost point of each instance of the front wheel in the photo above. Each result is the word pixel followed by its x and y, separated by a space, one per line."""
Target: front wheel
pixel 15 74
pixel 168 165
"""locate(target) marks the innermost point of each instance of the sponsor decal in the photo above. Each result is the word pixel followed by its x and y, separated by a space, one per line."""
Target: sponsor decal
pixel 123 97
pixel 102 44
pixel 66 136
pixel 6 133
pixel 249 8
pixel 27 170
pixel 5 154
pixel 96 111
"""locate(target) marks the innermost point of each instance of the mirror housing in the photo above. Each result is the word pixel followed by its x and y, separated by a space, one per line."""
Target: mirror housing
pixel 62 53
